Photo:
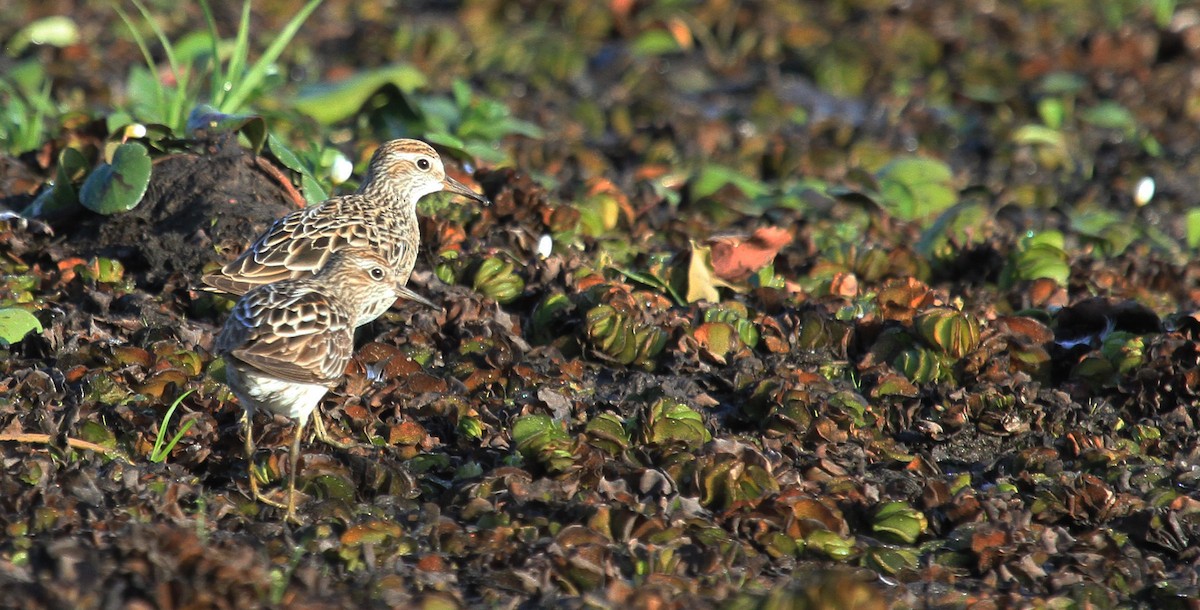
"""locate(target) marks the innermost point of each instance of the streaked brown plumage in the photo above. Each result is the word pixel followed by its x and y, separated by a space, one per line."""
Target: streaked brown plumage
pixel 382 215
pixel 286 343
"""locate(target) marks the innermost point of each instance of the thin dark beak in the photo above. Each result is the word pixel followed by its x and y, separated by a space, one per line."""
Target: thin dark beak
pixel 454 186
pixel 409 295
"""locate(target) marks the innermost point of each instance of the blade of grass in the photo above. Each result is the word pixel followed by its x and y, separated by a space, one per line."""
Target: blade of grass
pixel 217 82
pixel 175 108
pixel 241 53
pixel 245 85
pixel 160 452
pixel 160 91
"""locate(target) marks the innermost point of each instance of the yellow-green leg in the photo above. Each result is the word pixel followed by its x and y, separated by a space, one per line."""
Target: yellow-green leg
pixel 323 435
pixel 293 463
pixel 248 425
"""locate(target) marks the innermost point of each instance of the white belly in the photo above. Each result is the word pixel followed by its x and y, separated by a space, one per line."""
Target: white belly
pixel 257 390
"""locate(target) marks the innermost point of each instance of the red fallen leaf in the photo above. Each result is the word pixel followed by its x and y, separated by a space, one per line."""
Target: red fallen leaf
pixel 651 171
pixel 450 237
pixel 735 258
pixel 371 532
pixel 805 378
pixel 420 383
pixel 588 281
pixel 1185 505
pixel 406 433
pixel 620 8
pixel 480 377
pixel 987 544
pixel 125 355
pixel 963 508
pixel 1028 328
pixel 844 285
pixel 356 412
pixel 1045 293
pixel 899 299
pixel 828 429
pixel 73 374
pixel 66 268
pixel 573 369
pixel 560 218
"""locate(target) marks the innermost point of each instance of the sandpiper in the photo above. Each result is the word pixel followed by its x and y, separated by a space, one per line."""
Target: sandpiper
pixel 382 215
pixel 285 344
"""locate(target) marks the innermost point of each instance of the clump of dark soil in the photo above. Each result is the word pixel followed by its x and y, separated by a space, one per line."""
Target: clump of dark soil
pixel 199 208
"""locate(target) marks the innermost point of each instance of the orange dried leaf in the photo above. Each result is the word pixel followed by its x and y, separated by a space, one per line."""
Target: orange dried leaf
pixel 844 285
pixel 736 258
pixel 406 433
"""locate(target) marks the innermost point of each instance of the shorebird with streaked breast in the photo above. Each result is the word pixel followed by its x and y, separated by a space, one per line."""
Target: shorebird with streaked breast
pixel 286 343
pixel 382 215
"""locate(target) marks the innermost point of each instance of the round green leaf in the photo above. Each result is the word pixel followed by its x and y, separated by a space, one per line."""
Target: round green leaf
pixel 16 323
pixel 119 186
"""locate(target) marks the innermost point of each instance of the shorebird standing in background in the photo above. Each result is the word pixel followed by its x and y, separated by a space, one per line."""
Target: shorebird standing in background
pixel 381 215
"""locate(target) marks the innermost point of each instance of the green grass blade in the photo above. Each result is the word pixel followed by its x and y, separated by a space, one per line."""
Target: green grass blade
pixel 160 91
pixel 253 78
pixel 241 53
pixel 175 108
pixel 160 452
pixel 217 81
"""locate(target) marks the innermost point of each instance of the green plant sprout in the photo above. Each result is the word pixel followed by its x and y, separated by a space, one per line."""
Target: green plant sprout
pixel 160 452
pixel 25 104
pixel 231 85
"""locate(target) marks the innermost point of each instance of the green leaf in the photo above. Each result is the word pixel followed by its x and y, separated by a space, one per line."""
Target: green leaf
pixel 1053 239
pixel 655 42
pixel 208 119
pixel 1053 111
pixel 1039 256
pixel 541 438
pixel 1040 135
pixel 607 432
pixel 532 432
pixel 668 420
pixel 915 188
pixel 1059 83
pixel 1113 231
pixel 329 103
pixel 831 544
pixel 1193 228
pixel 899 521
pixel 57 31
pixel 119 186
pixel 961 225
pixel 62 198
pixel 1110 115
pixel 714 177
pixel 15 323
pixel 313 191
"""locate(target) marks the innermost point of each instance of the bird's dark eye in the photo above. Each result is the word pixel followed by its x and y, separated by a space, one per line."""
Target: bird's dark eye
pixel 377 273
pixel 423 164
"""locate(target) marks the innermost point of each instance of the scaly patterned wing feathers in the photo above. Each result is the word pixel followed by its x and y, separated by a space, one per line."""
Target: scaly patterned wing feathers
pixel 300 243
pixel 302 337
